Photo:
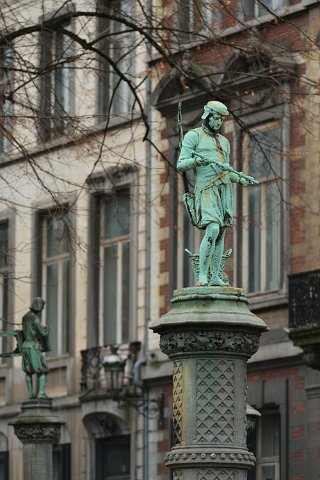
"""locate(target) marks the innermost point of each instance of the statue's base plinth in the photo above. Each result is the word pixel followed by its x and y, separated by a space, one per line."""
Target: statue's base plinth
pixel 37 428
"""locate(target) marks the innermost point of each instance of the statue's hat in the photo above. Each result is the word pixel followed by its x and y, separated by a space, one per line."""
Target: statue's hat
pixel 212 107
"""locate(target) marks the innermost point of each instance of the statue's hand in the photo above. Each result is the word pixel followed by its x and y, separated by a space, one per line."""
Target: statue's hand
pixel 203 160
pixel 247 181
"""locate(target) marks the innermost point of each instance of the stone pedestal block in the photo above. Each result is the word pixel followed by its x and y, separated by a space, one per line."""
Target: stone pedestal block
pixel 37 428
pixel 209 334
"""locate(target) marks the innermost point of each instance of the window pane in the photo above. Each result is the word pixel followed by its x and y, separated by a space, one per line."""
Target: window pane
pixel 273 226
pixel 52 306
pixel 270 436
pixel 5 344
pixel 57 235
pixel 117 214
pixel 254 247
pixel 4 244
pixel 65 307
pixel 264 153
pixel 110 294
pixel 125 291
pixel 268 472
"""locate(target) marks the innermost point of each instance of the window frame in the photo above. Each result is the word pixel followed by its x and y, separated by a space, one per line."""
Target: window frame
pixel 6 270
pixel 6 107
pixel 267 461
pixel 104 242
pixel 264 182
pixel 277 111
pixel 106 90
pixel 54 118
pixel 101 186
pixel 39 266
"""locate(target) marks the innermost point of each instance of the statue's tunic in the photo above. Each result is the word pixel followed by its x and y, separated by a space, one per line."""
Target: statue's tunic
pixel 213 189
pixel 35 339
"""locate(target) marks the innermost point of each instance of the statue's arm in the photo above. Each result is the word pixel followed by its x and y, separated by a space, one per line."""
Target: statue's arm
pixel 186 161
pixel 41 330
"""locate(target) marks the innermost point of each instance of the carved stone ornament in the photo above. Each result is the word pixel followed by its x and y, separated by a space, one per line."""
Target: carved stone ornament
pixel 38 433
pixel 183 342
pixel 237 458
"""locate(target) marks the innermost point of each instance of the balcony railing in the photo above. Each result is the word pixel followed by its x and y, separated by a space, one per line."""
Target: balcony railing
pixel 304 299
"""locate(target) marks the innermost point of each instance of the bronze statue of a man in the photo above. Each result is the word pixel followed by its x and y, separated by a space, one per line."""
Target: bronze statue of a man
pixel 35 341
pixel 207 152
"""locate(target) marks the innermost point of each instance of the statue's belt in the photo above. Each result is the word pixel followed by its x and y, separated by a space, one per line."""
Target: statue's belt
pixel 221 179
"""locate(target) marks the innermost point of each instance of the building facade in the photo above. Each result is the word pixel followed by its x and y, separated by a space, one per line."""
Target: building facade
pixel 92 219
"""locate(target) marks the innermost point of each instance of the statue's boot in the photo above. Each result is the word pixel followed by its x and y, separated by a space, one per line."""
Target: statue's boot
pixel 42 386
pixel 30 386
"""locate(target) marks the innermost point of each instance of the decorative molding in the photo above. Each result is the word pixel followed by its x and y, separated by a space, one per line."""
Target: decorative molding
pixel 190 456
pixel 209 340
pixel 177 402
pixel 215 401
pixel 38 433
pixel 215 475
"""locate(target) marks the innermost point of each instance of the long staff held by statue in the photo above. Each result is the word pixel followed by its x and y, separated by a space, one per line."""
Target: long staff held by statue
pixel 227 167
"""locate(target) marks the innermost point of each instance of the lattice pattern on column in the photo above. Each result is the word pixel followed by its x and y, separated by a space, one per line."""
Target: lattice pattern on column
pixel 215 475
pixel 177 402
pixel 215 401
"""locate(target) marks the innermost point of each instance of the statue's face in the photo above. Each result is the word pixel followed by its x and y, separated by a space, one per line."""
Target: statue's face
pixel 215 121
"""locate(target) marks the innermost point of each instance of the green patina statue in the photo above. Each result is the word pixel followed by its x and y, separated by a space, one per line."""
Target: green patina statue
pixel 34 342
pixel 210 206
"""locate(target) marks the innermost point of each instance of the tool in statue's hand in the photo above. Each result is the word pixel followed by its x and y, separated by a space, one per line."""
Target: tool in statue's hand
pixel 225 167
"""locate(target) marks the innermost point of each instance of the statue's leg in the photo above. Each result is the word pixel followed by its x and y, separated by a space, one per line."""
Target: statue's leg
pixel 42 378
pixel 206 252
pixel 30 385
pixel 217 258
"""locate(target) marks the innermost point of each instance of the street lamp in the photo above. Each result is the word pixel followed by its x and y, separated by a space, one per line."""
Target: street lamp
pixel 114 367
pixel 130 393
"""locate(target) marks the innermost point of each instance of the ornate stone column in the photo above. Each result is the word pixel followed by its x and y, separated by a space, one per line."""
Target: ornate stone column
pixel 209 334
pixel 37 428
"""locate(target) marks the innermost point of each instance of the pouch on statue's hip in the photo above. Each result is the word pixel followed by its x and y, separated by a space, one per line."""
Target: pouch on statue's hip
pixel 190 204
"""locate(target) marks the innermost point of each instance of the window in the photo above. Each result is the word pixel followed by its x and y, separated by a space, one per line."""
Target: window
pixel 113 458
pixel 198 16
pixel 55 278
pixel 261 209
pixel 114 94
pixel 4 283
pixel 268 447
pixel 6 104
pixel 115 268
pixel 252 8
pixel 61 461
pixel 56 84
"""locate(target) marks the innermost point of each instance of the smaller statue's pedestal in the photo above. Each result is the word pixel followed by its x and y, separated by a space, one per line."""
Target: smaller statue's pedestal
pixel 37 428
pixel 209 334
